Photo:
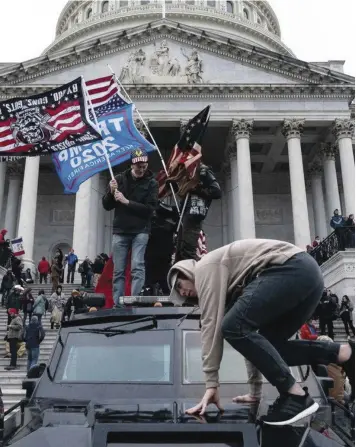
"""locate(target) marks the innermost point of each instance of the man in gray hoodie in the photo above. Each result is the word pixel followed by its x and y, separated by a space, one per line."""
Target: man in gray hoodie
pixel 256 294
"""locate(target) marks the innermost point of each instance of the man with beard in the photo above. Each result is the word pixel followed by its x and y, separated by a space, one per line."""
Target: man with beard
pixel 133 195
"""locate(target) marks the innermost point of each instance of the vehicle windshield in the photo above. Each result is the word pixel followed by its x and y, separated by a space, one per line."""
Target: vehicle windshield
pixel 127 358
pixel 232 368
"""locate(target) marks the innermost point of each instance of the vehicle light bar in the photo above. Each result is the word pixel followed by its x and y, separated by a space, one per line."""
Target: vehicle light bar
pixel 137 300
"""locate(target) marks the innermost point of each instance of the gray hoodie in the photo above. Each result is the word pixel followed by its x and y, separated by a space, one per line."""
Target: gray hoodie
pixel 216 276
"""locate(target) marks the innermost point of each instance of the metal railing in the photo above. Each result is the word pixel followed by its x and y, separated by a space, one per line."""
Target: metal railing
pixel 343 421
pixel 12 409
pixel 338 240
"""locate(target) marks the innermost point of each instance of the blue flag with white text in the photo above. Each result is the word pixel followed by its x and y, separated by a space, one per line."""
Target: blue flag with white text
pixel 119 137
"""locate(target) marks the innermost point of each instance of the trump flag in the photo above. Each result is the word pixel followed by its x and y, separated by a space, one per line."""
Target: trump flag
pixel 119 138
pixel 49 122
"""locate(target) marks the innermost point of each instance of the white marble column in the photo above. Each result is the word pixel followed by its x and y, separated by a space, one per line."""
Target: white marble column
pixel 316 178
pixel 292 130
pixel 82 218
pixel 94 212
pixel 242 130
pixel 2 185
pixel 224 208
pixel 28 209
pixel 230 204
pixel 344 129
pixel 234 194
pixel 328 153
pixel 100 246
pixel 142 129
pixel 12 204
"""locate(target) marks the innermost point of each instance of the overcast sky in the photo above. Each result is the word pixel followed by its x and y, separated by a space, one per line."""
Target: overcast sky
pixel 315 30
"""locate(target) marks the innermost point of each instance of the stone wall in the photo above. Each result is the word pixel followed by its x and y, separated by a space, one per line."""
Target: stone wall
pixel 339 274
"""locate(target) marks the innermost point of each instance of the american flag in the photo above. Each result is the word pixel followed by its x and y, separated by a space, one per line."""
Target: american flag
pixel 48 122
pixel 202 248
pixel 105 96
pixel 201 251
pixel 186 153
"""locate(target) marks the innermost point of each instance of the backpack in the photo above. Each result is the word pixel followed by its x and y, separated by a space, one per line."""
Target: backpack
pixel 81 268
pixel 46 304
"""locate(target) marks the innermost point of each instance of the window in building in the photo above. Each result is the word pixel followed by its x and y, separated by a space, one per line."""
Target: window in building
pixel 89 13
pixel 259 20
pixel 190 2
pixel 246 15
pixel 211 3
pixel 105 7
pixel 229 7
pixel 144 2
pixel 76 20
pixel 123 3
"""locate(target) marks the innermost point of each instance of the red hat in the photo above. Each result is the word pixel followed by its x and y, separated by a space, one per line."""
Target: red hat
pixel 13 311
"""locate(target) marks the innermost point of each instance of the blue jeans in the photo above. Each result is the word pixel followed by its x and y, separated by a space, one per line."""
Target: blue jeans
pixel 32 357
pixel 121 245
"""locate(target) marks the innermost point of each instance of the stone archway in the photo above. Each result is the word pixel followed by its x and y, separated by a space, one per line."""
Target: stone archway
pixel 64 246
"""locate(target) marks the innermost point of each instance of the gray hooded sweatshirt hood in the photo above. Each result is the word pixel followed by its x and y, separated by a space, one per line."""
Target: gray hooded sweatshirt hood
pixel 187 267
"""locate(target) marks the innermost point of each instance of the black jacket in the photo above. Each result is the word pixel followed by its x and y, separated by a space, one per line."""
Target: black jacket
pixel 14 300
pixel 73 302
pixel 135 217
pixel 7 282
pixel 34 335
pixel 201 197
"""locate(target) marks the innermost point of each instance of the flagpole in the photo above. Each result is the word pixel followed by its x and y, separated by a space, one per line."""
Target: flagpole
pixel 98 128
pixel 149 133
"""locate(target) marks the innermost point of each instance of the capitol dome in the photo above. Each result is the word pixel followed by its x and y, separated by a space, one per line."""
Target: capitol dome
pixel 254 23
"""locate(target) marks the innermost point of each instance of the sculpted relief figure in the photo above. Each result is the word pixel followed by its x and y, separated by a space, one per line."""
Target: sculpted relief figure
pixel 194 67
pixel 162 64
pixel 131 71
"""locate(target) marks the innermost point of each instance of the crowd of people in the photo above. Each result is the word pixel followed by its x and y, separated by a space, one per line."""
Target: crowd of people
pixel 344 228
pixel 329 310
pixel 22 305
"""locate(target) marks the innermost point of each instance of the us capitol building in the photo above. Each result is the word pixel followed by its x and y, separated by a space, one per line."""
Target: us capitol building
pixel 281 135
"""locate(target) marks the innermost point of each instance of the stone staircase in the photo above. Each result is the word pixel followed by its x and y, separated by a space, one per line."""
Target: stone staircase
pixel 339 330
pixel 11 381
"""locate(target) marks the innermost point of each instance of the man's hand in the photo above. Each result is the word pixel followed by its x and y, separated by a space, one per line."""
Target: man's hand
pixel 211 396
pixel 113 186
pixel 119 197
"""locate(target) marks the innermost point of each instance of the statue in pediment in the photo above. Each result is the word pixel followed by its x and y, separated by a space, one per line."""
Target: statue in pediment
pixel 160 59
pixel 131 71
pixel 194 67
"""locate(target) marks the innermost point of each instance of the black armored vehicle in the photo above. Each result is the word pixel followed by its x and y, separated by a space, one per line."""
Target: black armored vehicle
pixel 124 377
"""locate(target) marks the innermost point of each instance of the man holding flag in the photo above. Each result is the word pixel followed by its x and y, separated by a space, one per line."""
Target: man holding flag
pixel 134 196
pixel 194 182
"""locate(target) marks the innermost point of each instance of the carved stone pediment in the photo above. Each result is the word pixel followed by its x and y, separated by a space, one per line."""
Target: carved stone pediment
pixel 168 61
pixel 154 55
pixel 163 63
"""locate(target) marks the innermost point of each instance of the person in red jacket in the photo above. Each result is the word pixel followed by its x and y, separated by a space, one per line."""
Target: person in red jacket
pixel 43 269
pixel 308 331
